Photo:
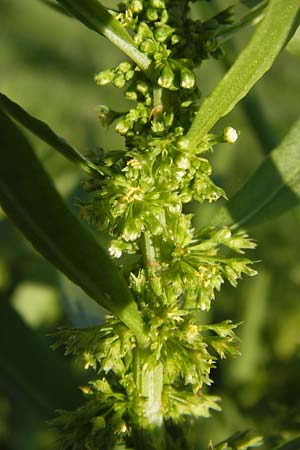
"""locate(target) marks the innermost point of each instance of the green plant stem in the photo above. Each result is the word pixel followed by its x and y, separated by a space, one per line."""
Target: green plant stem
pixel 150 433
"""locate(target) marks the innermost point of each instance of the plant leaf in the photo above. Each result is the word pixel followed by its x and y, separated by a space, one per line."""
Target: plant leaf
pixel 96 17
pixel 273 188
pixel 293 444
pixel 294 45
pixel 29 198
pixel 79 308
pixel 28 367
pixel 44 132
pixel 56 7
pixel 266 43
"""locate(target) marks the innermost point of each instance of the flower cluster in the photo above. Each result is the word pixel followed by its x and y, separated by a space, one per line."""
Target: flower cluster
pixel 138 202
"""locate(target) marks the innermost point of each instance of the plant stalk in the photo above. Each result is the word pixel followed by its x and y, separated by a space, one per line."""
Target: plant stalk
pixel 149 433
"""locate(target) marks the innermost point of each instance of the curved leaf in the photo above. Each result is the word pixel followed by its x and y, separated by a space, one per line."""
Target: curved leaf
pixel 266 43
pixel 44 132
pixel 294 45
pixel 29 198
pixel 96 17
pixel 273 189
pixel 55 7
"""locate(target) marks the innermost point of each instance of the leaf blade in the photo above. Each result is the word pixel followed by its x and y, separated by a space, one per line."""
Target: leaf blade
pixel 45 133
pixel 97 18
pixel 293 444
pixel 273 188
pixel 29 367
pixel 256 59
pixel 31 201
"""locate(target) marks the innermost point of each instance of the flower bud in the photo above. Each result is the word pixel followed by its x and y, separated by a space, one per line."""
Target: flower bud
pixel 137 6
pixel 106 115
pixel 119 81
pixel 104 77
pixel 124 67
pixel 163 32
pixel 159 4
pixel 122 127
pixel 187 78
pixel 148 46
pixel 152 14
pixel 230 135
pixel 166 78
pixel 142 87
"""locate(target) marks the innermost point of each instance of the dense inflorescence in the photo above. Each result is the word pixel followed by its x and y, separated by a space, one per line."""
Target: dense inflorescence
pixel 138 202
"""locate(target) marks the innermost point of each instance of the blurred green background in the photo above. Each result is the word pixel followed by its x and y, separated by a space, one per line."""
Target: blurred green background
pixel 47 64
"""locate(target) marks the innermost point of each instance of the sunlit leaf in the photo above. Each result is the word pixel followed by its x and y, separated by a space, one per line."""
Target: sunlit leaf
pixel 273 189
pixel 294 45
pixel 258 56
pixel 30 369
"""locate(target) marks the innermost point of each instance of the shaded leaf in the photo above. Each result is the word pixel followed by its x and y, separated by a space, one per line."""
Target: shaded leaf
pixel 273 189
pixel 82 311
pixel 272 33
pixel 30 369
pixel 29 198
pixel 44 132
pixel 294 444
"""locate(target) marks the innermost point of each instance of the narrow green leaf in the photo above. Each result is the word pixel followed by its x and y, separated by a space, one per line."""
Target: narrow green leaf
pixel 96 17
pixel 229 31
pixel 273 189
pixel 294 444
pixel 30 369
pixel 29 198
pixel 44 132
pixel 257 57
pixel 294 45
pixel 54 6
